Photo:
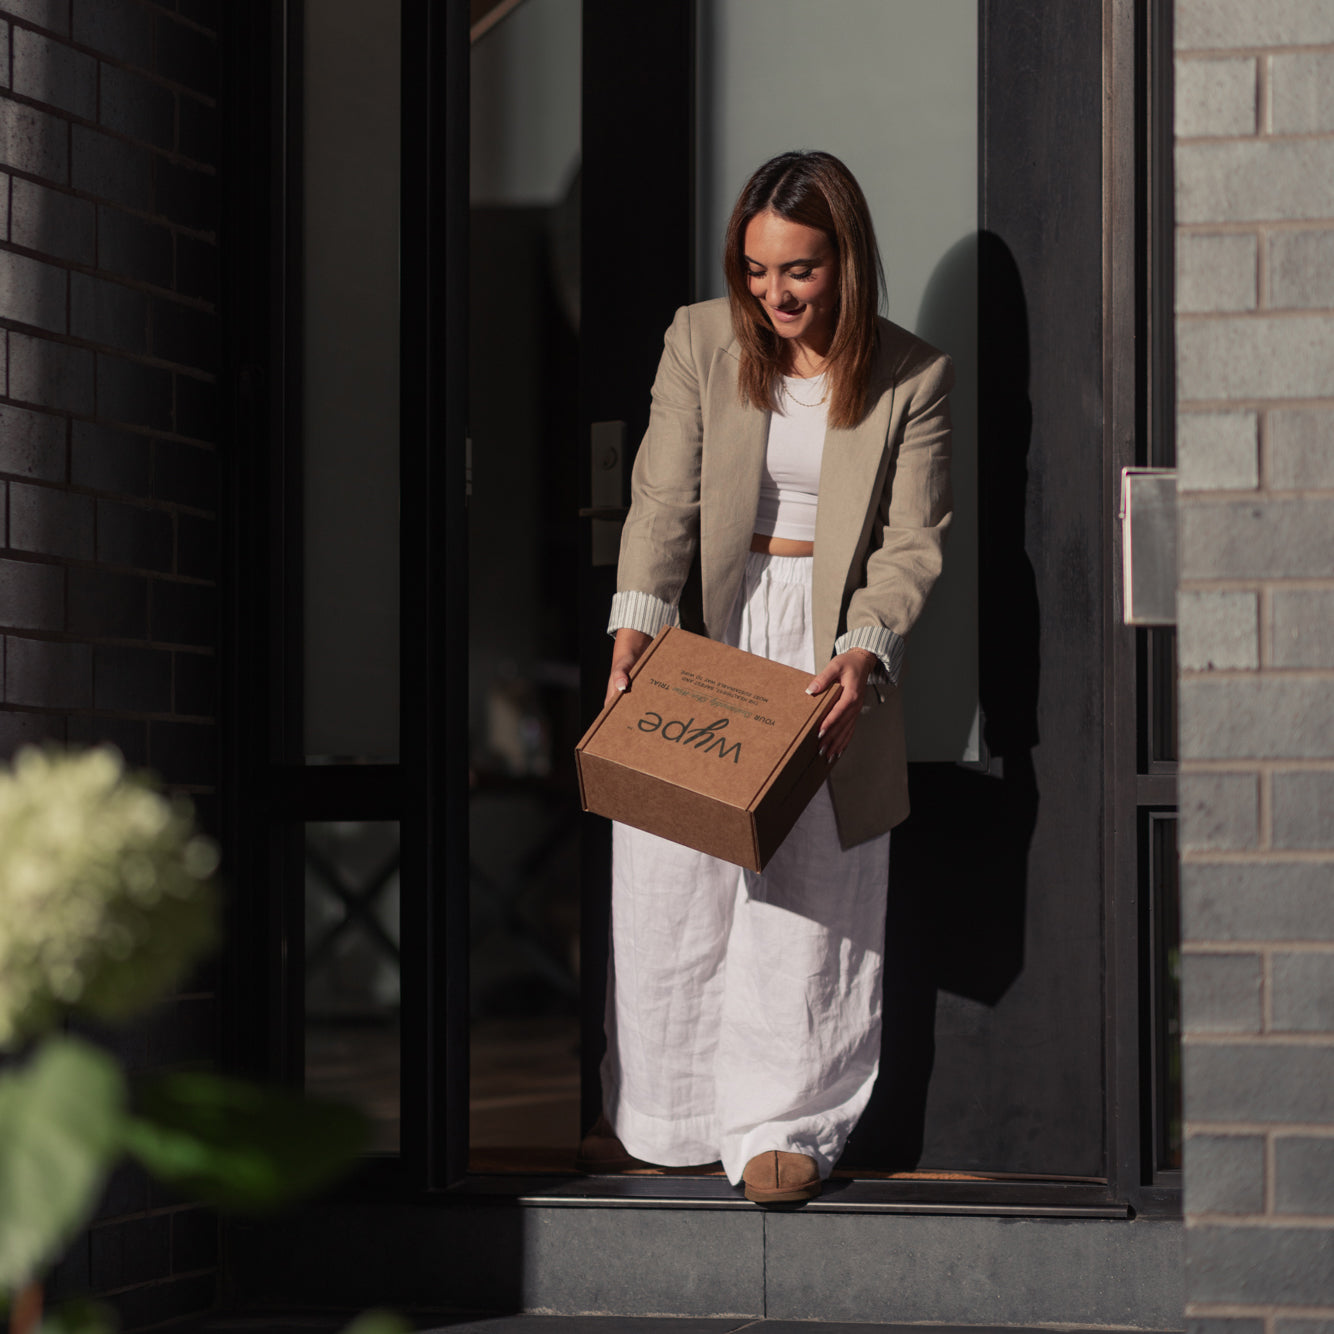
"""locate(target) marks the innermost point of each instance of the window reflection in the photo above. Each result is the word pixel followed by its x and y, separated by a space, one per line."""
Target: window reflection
pixel 523 589
pixel 1165 902
pixel 353 969
pixel 349 609
pixel 1163 700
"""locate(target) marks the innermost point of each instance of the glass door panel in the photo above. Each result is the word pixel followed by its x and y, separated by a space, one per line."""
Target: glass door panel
pixel 524 718
pixel 349 466
pixel 353 969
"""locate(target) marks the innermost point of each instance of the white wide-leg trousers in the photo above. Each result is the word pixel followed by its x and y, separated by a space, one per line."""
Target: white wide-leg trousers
pixel 743 1009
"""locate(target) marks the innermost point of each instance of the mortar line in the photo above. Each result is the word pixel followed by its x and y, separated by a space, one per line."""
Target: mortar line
pixel 1264 120
pixel 764 1265
pixel 1271 1194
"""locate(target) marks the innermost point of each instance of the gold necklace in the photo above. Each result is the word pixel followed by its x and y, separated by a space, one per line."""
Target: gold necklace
pixel 801 402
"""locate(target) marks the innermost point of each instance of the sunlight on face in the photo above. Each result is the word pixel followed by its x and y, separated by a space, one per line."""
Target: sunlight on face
pixel 793 273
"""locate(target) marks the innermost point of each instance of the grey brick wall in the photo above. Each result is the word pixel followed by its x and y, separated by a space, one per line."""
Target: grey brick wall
pixel 1255 346
pixel 108 362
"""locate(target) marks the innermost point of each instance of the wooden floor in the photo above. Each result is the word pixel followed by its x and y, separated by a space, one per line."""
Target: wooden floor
pixel 524 1095
pixel 524 1085
pixel 358 1063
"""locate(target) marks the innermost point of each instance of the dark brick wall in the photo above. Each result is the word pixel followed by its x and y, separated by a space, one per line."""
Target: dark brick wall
pixel 109 355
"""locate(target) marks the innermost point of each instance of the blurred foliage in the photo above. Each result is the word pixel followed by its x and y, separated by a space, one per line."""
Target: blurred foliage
pixel 106 894
pixel 378 1322
pixel 60 1118
pixel 106 903
pixel 238 1146
pixel 79 1318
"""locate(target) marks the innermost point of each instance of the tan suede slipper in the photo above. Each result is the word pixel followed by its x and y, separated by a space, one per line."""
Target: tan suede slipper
pixel 776 1177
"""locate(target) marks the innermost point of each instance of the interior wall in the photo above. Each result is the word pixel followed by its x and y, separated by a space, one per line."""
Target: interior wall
pixel 525 105
pixel 524 827
pixel 891 89
pixel 525 96
pixel 350 182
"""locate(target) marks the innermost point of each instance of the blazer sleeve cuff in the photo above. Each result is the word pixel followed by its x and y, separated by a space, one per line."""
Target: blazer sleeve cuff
pixel 640 611
pixel 883 642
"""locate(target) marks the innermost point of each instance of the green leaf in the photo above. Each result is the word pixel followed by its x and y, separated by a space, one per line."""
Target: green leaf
pixel 61 1116
pixel 80 1317
pixel 239 1146
pixel 379 1322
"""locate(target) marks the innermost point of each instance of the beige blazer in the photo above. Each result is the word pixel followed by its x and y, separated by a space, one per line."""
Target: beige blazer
pixel 883 512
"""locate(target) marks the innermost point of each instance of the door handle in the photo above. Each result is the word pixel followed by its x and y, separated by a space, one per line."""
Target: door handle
pixel 1149 546
pixel 607 508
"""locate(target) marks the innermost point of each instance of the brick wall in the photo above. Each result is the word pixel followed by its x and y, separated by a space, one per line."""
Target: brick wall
pixel 108 478
pixel 1255 367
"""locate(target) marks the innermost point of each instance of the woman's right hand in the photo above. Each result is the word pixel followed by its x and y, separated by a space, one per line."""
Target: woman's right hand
pixel 629 646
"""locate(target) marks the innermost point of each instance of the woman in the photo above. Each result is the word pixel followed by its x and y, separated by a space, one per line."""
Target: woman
pixel 790 497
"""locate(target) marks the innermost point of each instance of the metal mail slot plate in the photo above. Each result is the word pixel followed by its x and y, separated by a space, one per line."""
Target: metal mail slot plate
pixel 1149 545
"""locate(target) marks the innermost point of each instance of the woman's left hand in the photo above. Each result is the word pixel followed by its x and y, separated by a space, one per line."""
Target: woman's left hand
pixel 850 670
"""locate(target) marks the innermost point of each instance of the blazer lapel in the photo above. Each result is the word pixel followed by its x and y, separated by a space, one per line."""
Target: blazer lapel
pixel 730 470
pixel 849 472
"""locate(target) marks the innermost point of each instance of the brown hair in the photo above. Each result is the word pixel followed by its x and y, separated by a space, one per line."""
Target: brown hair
pixel 814 190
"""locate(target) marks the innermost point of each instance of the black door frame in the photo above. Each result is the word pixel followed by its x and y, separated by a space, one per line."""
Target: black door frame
pixel 268 793
pixel 427 791
pixel 434 417
pixel 1139 431
pixel 620 342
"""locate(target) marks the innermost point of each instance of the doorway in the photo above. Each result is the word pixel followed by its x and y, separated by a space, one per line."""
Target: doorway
pixel 1015 1064
pixel 1021 1066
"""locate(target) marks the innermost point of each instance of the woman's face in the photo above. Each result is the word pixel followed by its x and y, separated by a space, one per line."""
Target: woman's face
pixel 794 276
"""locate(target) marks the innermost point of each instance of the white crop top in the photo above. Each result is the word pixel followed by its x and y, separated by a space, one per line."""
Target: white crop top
pixel 790 483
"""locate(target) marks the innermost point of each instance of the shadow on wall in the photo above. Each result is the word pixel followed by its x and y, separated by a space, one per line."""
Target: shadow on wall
pixel 959 865
pixel 940 683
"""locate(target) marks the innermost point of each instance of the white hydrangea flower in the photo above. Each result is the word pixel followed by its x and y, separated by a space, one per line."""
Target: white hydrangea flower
pixel 106 898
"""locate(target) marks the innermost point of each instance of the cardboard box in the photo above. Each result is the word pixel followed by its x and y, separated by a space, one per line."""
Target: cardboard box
pixel 710 746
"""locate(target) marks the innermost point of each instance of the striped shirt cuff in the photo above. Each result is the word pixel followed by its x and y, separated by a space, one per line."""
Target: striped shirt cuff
pixel 640 611
pixel 884 643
